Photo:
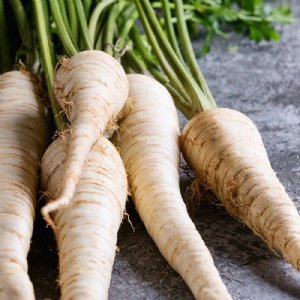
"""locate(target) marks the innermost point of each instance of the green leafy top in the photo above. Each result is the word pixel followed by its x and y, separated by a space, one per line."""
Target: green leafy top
pixel 70 26
pixel 165 49
pixel 253 18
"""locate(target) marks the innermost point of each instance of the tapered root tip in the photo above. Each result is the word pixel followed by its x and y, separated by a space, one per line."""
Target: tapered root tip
pixel 53 206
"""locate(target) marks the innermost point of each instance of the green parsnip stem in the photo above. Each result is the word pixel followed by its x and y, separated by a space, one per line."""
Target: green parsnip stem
pixel 66 38
pixel 86 230
pixel 5 59
pixel 22 145
pixel 150 152
pixel 110 27
pixel 190 57
pixel 24 30
pixel 72 18
pixel 47 58
pixel 131 16
pixel 95 17
pixel 169 27
pixel 226 150
pixel 178 74
pixel 80 9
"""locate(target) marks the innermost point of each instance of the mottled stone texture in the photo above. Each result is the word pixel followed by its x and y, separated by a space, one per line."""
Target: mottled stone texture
pixel 263 81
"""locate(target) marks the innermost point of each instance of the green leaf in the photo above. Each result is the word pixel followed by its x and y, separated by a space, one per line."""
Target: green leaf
pixel 282 14
pixel 206 44
pixel 259 32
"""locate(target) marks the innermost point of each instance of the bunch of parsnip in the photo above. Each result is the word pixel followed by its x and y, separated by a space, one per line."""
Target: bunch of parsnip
pixel 86 177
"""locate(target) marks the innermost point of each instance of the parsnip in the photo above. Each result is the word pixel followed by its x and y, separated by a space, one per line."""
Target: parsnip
pixel 149 146
pixel 23 137
pixel 86 230
pixel 91 88
pixel 226 150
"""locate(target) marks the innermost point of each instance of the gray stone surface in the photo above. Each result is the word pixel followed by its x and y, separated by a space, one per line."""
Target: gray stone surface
pixel 263 81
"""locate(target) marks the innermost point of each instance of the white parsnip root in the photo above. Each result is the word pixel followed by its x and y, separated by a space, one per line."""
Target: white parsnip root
pixel 149 146
pixel 91 88
pixel 227 152
pixel 86 230
pixel 23 138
